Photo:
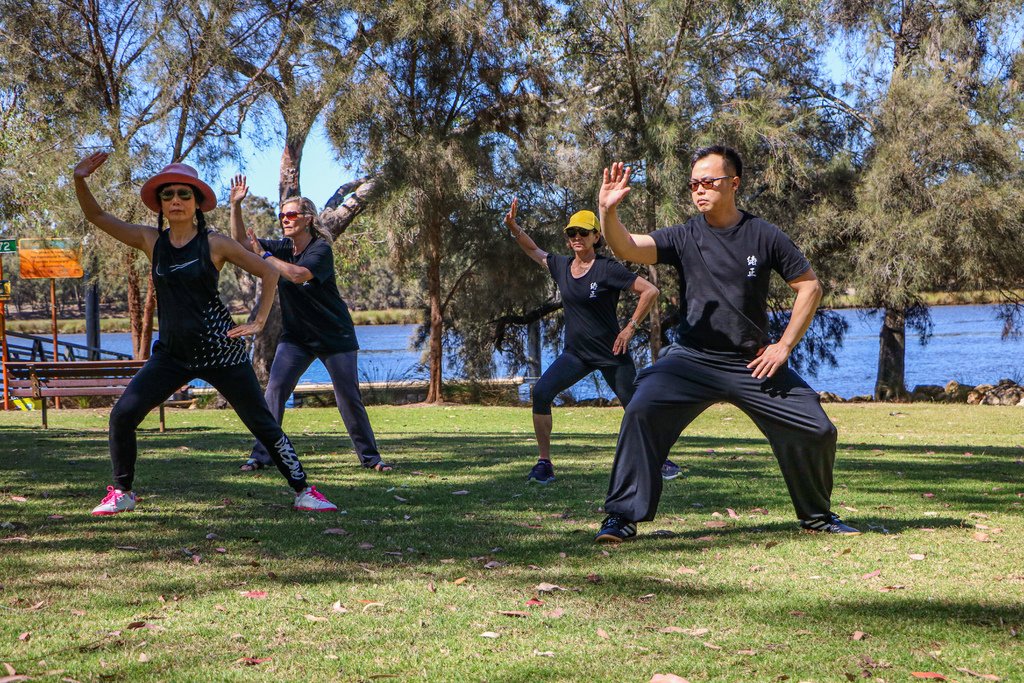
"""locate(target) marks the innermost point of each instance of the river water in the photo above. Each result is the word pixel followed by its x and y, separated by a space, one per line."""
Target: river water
pixel 965 345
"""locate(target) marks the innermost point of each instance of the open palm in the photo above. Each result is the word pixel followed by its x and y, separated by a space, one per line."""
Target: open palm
pixel 615 185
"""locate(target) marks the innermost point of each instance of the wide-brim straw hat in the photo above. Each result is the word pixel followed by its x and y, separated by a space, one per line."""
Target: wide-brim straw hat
pixel 181 174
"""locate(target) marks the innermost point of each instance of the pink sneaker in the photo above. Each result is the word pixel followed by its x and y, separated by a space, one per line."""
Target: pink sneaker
pixel 115 501
pixel 314 501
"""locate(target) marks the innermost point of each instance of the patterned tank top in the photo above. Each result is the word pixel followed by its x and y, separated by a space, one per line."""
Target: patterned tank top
pixel 193 320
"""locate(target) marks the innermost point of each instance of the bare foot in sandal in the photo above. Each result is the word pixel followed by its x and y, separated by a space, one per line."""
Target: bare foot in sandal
pixel 251 465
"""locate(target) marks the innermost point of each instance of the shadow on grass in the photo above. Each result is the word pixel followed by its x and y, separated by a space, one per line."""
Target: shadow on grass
pixel 190 487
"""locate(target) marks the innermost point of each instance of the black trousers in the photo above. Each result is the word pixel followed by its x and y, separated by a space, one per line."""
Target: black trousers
pixel 160 377
pixel 290 361
pixel 570 368
pixel 684 383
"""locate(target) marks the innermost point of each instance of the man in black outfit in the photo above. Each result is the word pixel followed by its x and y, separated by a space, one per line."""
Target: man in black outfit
pixel 724 257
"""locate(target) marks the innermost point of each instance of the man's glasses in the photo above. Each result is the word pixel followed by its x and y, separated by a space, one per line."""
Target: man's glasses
pixel 578 232
pixel 182 192
pixel 706 183
pixel 290 215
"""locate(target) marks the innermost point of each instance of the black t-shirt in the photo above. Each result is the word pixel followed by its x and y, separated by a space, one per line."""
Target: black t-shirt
pixel 740 259
pixel 313 314
pixel 590 302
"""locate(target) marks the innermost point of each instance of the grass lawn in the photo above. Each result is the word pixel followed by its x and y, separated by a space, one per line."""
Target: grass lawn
pixel 434 572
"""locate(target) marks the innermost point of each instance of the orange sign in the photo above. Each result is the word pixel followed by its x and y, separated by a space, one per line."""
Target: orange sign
pixel 43 258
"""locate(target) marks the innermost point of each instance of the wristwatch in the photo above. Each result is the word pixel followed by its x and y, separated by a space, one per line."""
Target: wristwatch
pixel 633 324
pixel 266 255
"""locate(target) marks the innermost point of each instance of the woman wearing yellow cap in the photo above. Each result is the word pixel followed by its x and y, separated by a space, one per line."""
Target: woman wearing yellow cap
pixel 589 285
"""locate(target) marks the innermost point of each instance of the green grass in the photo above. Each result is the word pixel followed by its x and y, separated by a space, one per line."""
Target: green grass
pixel 99 595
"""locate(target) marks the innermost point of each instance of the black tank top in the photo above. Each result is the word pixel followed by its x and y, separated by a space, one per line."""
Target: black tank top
pixel 193 320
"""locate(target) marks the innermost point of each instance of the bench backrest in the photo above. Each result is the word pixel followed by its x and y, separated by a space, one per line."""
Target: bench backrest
pixel 85 378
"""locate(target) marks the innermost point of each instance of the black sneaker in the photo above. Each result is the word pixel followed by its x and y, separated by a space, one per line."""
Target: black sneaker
pixel 829 525
pixel 542 473
pixel 615 529
pixel 670 470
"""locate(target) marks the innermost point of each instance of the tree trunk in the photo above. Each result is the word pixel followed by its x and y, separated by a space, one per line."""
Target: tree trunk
pixel 134 303
pixel 264 345
pixel 291 158
pixel 890 384
pixel 650 219
pixel 146 338
pixel 533 350
pixel 433 243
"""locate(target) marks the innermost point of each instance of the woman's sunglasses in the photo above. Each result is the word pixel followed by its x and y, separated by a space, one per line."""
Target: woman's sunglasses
pixel 182 192
pixel 578 232
pixel 290 215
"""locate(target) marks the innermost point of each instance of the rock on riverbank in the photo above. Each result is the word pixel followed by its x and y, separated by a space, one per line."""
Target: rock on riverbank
pixel 1005 392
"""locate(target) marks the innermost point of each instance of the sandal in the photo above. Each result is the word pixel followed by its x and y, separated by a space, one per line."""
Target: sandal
pixel 251 465
pixel 379 466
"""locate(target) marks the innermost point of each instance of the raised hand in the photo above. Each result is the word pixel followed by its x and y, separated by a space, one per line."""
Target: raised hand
pixel 615 186
pixel 239 190
pixel 510 218
pixel 257 248
pixel 87 166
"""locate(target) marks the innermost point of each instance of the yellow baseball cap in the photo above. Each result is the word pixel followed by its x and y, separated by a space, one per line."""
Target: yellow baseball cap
pixel 584 219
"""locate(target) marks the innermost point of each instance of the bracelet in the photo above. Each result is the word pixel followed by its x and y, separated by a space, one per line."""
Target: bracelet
pixel 633 324
pixel 266 255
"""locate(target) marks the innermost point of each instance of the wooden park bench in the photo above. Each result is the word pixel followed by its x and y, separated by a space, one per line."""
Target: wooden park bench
pixel 40 381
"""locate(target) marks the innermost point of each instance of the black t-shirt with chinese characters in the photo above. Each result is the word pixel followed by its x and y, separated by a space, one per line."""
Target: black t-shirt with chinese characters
pixel 732 316
pixel 313 314
pixel 590 302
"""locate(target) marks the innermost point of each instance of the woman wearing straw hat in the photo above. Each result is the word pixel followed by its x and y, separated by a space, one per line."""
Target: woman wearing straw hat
pixel 315 318
pixel 589 285
pixel 197 336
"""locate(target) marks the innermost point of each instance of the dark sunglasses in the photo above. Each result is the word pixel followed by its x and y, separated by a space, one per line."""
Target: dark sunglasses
pixel 706 183
pixel 182 192
pixel 578 232
pixel 290 215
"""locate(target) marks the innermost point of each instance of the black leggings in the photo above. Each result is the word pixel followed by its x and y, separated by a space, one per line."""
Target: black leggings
pixel 570 368
pixel 160 377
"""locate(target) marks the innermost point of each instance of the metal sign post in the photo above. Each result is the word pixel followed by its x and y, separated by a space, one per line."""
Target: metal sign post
pixel 6 247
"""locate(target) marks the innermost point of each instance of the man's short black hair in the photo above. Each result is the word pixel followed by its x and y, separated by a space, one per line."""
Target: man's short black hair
pixel 733 163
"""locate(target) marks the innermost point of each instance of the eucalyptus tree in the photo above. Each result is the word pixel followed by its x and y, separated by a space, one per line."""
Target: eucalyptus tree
pixel 937 198
pixel 649 81
pixel 141 78
pixel 439 100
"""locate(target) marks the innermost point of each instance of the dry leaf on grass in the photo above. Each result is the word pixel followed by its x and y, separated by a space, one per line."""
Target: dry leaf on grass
pixel 980 536
pixel 889 589
pixel 929 675
pixel 336 531
pixel 314 617
pixel 14 679
pixel 732 513
pixel 11 671
pixel 984 677
pixel 460 493
pixel 555 613
pixel 871 575
pixel 25 637
pixel 712 646
pixel 489 634
pixel 538 653
pixel 368 605
pixel 252 661
pixel 917 556
pixel 667 678
pixel 339 608
pixel 748 653
pixel 547 588
pixel 143 657
pixel 601 633
pixel 533 602
pixel 19 499
pixel 459 581
pixel 686 570
pixel 859 635
pixel 255 595
pixel 431 587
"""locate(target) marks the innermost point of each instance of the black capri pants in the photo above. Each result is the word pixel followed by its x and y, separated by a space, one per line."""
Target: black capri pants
pixel 568 369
